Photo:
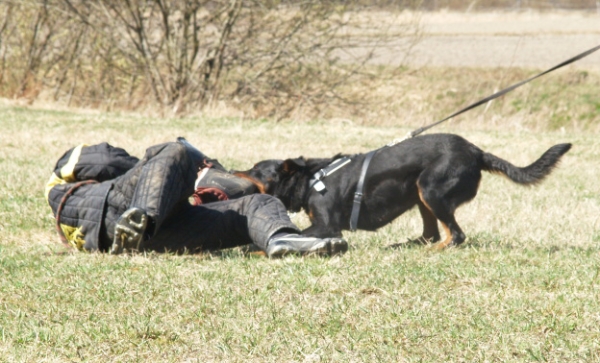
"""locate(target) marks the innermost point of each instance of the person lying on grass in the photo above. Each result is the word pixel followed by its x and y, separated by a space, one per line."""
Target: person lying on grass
pixel 105 199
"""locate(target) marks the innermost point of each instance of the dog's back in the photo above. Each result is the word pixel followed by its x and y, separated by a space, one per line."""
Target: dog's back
pixel 436 172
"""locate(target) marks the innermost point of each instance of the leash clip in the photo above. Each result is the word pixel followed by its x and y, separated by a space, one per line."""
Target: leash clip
pixel 316 181
pixel 319 186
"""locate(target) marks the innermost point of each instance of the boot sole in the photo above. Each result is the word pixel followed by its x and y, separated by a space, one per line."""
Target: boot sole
pixel 128 231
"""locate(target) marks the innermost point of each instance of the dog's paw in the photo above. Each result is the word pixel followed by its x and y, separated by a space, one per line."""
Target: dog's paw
pixel 440 246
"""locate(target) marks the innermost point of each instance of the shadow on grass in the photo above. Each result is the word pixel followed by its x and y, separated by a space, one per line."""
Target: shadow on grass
pixel 495 243
pixel 409 244
pixel 248 251
pixel 253 251
pixel 245 252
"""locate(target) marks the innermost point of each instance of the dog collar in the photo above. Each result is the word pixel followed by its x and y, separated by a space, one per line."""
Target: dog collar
pixel 316 181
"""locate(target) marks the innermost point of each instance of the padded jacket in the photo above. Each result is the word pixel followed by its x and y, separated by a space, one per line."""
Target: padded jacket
pixel 78 188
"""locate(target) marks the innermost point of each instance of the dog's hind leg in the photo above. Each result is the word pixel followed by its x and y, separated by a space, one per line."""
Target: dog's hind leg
pixel 454 235
pixel 431 233
pixel 444 212
pixel 445 186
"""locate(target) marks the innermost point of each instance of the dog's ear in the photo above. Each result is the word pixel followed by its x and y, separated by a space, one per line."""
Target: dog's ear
pixel 290 166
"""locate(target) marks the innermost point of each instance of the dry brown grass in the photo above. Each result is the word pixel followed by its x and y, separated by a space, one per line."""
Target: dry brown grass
pixel 524 287
pixel 415 69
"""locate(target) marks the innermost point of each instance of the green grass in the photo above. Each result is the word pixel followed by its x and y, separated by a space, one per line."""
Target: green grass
pixel 525 287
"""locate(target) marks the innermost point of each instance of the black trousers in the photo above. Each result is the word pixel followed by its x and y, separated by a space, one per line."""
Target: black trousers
pixel 161 184
pixel 251 219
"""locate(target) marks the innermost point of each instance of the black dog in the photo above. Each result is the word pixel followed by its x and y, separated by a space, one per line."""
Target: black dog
pixel 437 172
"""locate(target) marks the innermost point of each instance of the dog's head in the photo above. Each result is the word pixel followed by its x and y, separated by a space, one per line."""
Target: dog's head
pixel 269 175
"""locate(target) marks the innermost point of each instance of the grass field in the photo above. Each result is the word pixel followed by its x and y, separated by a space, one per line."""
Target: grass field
pixel 525 286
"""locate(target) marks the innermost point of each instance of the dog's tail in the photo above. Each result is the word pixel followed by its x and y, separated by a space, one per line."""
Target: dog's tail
pixel 531 174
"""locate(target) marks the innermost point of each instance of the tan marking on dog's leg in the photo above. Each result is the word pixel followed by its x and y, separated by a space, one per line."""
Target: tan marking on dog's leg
pixel 430 232
pixel 311 215
pixel 423 199
pixel 445 243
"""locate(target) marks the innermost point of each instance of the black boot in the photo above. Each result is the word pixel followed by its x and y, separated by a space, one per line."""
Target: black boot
pixel 295 244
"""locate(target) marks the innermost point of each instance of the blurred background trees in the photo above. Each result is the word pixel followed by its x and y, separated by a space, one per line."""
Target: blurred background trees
pixel 268 58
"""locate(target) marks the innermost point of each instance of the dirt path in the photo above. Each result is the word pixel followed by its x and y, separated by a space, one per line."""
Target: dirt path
pixel 536 40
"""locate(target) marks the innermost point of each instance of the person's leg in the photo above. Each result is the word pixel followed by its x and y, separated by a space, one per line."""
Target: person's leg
pixel 219 225
pixel 166 179
pixel 143 198
pixel 259 219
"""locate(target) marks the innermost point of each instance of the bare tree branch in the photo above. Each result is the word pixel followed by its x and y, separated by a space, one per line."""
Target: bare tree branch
pixel 267 57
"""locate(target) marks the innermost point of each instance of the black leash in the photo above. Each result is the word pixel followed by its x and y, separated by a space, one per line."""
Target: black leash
pixel 504 91
pixel 359 187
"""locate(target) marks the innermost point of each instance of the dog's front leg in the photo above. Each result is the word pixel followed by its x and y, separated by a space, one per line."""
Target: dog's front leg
pixel 323 225
pixel 321 231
